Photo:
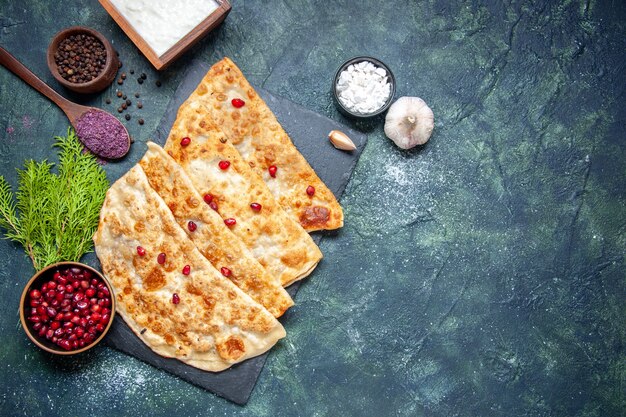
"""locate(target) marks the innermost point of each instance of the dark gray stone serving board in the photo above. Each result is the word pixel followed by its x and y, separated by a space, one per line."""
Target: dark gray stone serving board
pixel 309 132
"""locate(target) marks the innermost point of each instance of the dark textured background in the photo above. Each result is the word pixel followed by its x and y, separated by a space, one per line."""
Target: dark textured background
pixel 481 275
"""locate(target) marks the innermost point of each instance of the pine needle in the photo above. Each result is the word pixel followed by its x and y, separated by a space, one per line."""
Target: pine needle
pixel 58 213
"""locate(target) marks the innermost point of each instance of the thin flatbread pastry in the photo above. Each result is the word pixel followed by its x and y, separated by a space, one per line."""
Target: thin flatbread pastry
pixel 226 252
pixel 219 173
pixel 251 126
pixel 214 324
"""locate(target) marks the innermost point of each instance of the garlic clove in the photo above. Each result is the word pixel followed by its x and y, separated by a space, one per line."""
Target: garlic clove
pixel 409 122
pixel 341 141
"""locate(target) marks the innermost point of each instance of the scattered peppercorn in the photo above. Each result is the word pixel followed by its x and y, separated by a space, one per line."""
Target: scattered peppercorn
pixel 140 121
pixel 124 97
pixel 120 65
pixel 127 117
pixel 132 139
pixel 108 101
pixel 132 72
pixel 128 102
pixel 158 83
pixel 140 80
pixel 139 104
pixel 143 75
pixel 119 94
pixel 123 76
pixel 124 106
pixel 136 95
pixel 80 58
pixel 120 81
pixel 119 109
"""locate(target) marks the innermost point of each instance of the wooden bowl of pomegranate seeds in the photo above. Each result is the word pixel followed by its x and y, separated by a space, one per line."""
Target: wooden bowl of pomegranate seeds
pixel 67 308
pixel 82 60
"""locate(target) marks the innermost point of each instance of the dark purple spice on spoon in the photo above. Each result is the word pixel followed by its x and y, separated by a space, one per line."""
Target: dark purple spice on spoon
pixel 102 134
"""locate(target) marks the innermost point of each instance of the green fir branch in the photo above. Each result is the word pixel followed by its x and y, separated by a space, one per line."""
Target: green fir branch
pixel 58 213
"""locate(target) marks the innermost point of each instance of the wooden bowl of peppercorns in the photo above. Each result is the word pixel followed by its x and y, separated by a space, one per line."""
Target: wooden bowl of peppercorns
pixel 82 60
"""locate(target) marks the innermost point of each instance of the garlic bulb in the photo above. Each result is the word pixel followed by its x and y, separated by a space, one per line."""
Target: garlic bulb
pixel 409 122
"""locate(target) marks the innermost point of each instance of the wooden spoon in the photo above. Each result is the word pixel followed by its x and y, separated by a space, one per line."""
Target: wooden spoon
pixel 109 146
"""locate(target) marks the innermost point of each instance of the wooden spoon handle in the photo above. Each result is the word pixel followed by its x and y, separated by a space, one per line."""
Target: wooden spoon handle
pixel 17 68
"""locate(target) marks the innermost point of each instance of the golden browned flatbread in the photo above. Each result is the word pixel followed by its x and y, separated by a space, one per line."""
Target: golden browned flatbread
pixel 274 238
pixel 250 125
pixel 214 324
pixel 207 230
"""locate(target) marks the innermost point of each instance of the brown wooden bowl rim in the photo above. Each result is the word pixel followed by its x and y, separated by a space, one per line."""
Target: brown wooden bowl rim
pixel 34 338
pixel 54 45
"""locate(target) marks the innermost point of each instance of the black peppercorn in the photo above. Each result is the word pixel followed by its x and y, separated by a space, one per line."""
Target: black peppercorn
pixel 139 104
pixel 136 95
pixel 128 102
pixel 108 101
pixel 119 94
pixel 140 121
pixel 158 83
pixel 140 80
pixel 124 97
pixel 143 75
pixel 127 117
pixel 80 58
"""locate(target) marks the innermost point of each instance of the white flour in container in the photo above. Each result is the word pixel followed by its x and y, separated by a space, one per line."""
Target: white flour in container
pixel 162 23
pixel 363 87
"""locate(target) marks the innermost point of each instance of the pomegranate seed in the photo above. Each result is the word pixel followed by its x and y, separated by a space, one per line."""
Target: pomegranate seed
pixel 185 141
pixel 90 292
pixel 35 294
pixel 99 327
pixel 213 205
pixel 310 190
pixel 272 170
pixel 238 103
pixel 141 251
pixel 52 285
pixel 192 226
pixel 161 258
pixel 79 296
pixel 255 206
pixel 175 298
pixel 226 272
pixel 230 222
pixel 224 165
pixel 208 198
pixel 56 276
pixel 186 270
pixel 81 305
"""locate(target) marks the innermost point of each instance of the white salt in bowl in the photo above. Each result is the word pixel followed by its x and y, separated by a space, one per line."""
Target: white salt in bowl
pixel 343 108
